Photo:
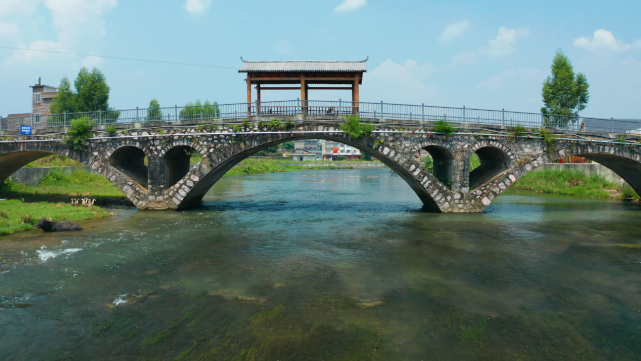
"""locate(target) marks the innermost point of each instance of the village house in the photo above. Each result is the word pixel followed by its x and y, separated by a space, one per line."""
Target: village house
pixel 41 98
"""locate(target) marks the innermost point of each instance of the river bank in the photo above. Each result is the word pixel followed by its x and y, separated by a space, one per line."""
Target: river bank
pixel 16 215
pixel 573 183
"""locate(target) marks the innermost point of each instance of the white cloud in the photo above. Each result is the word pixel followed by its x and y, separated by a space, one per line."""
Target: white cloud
pixel 467 57
pixel 513 89
pixel 604 40
pixel 197 7
pixel 8 29
pixel 404 83
pixel 503 43
pixel 91 62
pixel 513 78
pixel 454 30
pixel 75 24
pixel 349 5
pixel 24 7
pixel 23 56
pixel 73 16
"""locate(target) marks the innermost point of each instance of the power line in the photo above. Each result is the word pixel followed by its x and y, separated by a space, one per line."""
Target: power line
pixel 122 58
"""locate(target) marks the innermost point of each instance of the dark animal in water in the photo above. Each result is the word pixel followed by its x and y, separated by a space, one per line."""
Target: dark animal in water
pixel 57 226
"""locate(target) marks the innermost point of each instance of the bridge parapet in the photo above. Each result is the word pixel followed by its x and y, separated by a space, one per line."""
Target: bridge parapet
pixel 311 110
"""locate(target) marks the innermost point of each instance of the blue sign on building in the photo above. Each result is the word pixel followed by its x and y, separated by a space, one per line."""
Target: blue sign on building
pixel 25 129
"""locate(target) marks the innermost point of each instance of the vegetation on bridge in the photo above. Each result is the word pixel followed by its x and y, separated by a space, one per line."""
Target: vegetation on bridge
pixel 78 133
pixel 354 128
pixel 443 126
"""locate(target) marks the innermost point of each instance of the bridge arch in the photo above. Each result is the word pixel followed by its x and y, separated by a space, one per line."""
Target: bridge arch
pixel 176 162
pixel 624 161
pixel 15 155
pixel 189 191
pixel 12 162
pixel 494 160
pixel 130 160
pixel 443 163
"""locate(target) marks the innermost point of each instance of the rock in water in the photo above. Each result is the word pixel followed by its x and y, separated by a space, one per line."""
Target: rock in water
pixel 57 226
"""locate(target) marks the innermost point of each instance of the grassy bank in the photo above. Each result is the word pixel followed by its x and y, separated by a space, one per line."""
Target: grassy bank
pixel 567 182
pixel 269 165
pixel 54 161
pixel 57 186
pixel 16 215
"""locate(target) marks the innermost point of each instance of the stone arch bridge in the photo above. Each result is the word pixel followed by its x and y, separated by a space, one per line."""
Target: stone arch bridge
pixel 166 182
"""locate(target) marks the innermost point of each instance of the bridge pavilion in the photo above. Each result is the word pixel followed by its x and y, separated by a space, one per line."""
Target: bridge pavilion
pixel 303 75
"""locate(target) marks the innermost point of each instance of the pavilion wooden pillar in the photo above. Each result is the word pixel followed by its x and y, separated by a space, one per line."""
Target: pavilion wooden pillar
pixel 303 95
pixel 249 96
pixel 257 99
pixel 355 96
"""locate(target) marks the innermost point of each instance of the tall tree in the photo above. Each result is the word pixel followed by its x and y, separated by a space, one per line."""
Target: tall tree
pixel 64 101
pixel 92 91
pixel 154 113
pixel 564 93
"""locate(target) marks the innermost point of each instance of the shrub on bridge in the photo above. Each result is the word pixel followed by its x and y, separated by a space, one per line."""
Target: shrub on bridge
pixel 111 130
pixel 443 126
pixel 517 131
pixel 78 133
pixel 354 128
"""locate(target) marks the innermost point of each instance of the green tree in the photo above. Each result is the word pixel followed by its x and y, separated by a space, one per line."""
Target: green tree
pixel 64 100
pixel 154 113
pixel 564 93
pixel 92 91
pixel 198 110
pixel 365 156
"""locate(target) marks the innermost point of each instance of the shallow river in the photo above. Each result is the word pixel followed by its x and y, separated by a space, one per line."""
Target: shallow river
pixel 329 265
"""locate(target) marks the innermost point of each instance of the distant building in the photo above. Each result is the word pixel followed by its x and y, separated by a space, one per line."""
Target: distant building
pixel 328 150
pixel 300 155
pixel 41 98
pixel 314 146
pixel 334 150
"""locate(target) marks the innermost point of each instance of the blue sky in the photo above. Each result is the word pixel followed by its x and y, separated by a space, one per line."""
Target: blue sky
pixel 481 54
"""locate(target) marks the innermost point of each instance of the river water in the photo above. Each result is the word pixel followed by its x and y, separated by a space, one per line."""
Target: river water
pixel 329 265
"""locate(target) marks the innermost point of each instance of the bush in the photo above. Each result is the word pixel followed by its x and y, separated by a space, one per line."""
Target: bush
pixel 111 130
pixel 548 137
pixel 428 163
pixel 517 130
pixel 354 128
pixel 628 192
pixel 78 133
pixel 443 126
pixel 276 125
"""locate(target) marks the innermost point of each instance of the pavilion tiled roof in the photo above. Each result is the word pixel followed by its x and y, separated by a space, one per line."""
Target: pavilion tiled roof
pixel 302 66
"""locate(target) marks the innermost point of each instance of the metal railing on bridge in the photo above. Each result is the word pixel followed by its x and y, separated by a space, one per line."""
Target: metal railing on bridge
pixel 313 109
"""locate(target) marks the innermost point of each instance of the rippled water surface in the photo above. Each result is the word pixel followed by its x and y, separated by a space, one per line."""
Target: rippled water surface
pixel 329 265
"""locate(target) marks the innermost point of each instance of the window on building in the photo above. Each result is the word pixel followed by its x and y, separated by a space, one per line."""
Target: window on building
pixel 37 98
pixel 37 118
